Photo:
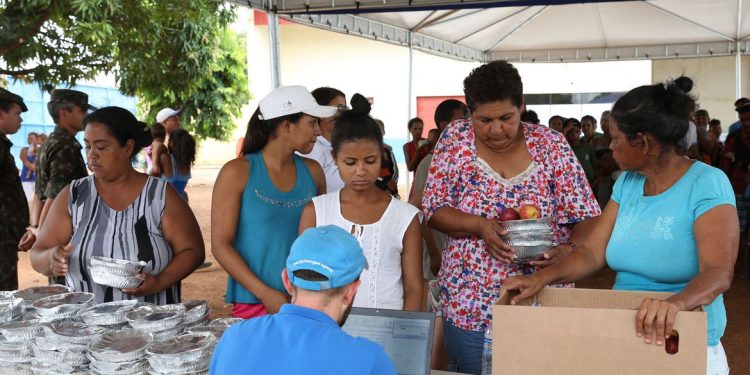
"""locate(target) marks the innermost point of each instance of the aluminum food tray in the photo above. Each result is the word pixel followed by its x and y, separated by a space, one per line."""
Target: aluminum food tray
pixel 22 330
pixel 61 303
pixel 107 314
pixel 55 357
pixel 195 310
pixel 105 277
pixel 31 295
pixel 10 309
pixel 156 318
pixel 139 367
pixel 11 368
pixel 105 366
pixel 542 224
pixel 167 364
pixel 119 267
pixel 168 333
pixel 126 345
pixel 226 322
pixel 154 372
pixel 57 369
pixel 72 331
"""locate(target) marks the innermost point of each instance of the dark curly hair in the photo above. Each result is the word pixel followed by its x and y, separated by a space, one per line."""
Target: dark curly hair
pixel 491 82
pixel 182 147
pixel 662 110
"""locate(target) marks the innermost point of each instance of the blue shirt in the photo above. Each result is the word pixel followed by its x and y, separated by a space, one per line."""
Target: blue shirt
pixel 735 127
pixel 653 247
pixel 267 225
pixel 297 340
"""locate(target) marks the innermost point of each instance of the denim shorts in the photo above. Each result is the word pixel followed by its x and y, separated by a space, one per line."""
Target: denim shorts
pixel 464 349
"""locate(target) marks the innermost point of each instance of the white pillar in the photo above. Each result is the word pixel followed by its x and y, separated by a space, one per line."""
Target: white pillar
pixel 409 99
pixel 273 40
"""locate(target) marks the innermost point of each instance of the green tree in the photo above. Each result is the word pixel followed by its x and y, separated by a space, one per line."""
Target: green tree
pixel 166 52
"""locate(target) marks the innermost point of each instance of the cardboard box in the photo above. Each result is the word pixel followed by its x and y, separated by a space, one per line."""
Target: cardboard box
pixel 588 331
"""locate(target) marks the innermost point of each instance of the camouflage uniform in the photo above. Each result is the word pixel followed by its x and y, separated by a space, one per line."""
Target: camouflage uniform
pixel 14 216
pixel 58 163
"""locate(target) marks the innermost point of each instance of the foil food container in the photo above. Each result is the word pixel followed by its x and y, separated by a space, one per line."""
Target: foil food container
pixel 46 343
pixel 119 267
pixel 138 365
pixel 168 333
pixel 155 372
pixel 104 276
pixel 72 331
pixel 11 368
pixel 226 322
pixel 31 295
pixel 58 357
pixel 190 347
pixel 10 309
pixel 156 318
pixel 22 330
pixel 107 314
pixel 127 345
pixel 195 310
pixel 61 303
pixel 164 364
pixel 38 367
pixel 528 225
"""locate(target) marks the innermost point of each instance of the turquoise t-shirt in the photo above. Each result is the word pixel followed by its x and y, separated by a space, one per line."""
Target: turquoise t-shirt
pixel 653 247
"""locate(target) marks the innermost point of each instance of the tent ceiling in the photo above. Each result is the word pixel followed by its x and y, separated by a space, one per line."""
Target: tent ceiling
pixel 536 30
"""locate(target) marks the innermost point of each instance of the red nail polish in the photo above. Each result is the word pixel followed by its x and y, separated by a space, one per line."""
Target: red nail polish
pixel 672 344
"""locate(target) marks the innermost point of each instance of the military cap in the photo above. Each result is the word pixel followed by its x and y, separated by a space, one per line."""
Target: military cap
pixel 71 96
pixel 6 95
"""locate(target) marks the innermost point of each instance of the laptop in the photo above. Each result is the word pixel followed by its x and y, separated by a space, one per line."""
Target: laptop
pixel 406 336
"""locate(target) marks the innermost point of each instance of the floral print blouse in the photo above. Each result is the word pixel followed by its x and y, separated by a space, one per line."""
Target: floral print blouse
pixel 470 277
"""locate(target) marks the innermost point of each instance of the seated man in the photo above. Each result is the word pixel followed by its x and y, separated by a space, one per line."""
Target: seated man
pixel 305 337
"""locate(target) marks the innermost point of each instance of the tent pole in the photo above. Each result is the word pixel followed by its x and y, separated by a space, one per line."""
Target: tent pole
pixel 409 99
pixel 273 41
pixel 738 71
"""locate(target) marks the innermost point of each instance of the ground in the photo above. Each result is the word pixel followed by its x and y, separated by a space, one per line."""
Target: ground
pixel 210 283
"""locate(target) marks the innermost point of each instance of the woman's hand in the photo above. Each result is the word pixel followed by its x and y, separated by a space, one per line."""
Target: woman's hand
pixel 273 299
pixel 28 239
pixel 490 231
pixel 149 286
pixel 659 314
pixel 553 255
pixel 58 260
pixel 528 286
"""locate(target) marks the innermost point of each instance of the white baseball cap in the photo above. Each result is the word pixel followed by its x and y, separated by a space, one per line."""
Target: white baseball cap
pixel 288 100
pixel 166 113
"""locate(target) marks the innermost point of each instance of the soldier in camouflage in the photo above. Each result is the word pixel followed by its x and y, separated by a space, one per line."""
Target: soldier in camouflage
pixel 14 209
pixel 59 160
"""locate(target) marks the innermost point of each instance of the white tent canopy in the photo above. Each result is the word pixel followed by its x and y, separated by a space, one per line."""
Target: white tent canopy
pixel 536 31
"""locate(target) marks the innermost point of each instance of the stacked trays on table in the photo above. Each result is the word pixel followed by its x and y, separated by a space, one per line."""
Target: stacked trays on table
pixel 109 315
pixel 186 354
pixel 33 294
pixel 15 349
pixel 197 313
pixel 120 352
pixel 117 273
pixel 163 321
pixel 61 305
pixel 60 347
pixel 216 327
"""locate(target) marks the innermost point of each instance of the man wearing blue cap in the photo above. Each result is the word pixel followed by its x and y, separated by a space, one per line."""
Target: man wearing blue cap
pixel 305 337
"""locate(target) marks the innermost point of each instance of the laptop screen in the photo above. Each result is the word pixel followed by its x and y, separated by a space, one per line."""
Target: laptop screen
pixel 406 336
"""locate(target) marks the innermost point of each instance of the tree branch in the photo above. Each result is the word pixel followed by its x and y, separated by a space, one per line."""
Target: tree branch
pixel 33 30
pixel 17 72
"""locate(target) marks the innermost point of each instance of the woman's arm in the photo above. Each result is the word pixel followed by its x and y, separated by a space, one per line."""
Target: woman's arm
pixel 588 257
pixel 717 239
pixel 460 224
pixel 180 228
pixel 25 159
pixel 317 173
pixel 225 212
pixel 307 220
pixel 411 266
pixel 49 254
pixel 156 153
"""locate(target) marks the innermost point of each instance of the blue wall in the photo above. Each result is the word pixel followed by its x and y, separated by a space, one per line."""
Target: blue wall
pixel 38 120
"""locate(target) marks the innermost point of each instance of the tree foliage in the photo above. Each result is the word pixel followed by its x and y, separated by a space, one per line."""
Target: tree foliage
pixel 168 53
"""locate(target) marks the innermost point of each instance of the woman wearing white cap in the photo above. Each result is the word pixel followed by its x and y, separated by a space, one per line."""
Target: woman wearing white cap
pixel 258 199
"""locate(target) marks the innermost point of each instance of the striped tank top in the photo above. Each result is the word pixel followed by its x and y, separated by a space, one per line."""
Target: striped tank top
pixel 133 234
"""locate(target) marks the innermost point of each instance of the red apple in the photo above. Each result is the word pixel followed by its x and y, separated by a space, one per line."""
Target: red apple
pixel 672 343
pixel 529 211
pixel 509 214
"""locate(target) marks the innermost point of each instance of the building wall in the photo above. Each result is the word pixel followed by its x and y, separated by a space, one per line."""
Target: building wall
pixel 714 82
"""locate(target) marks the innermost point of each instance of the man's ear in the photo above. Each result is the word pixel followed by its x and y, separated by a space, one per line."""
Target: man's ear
pixel 290 288
pixel 351 291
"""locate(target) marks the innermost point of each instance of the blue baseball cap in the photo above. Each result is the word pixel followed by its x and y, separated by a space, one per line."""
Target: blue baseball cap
pixel 329 251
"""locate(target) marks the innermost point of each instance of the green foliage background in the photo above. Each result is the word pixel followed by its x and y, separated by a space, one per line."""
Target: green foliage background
pixel 168 53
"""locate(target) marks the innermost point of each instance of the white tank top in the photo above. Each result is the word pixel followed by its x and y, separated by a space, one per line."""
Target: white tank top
pixel 382 284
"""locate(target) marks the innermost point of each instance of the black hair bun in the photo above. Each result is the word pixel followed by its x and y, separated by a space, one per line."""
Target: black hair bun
pixel 143 135
pixel 684 83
